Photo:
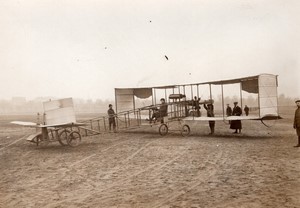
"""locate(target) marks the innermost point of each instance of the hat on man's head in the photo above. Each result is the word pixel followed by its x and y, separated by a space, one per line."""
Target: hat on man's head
pixel 235 103
pixel 162 99
pixel 109 105
pixel 297 101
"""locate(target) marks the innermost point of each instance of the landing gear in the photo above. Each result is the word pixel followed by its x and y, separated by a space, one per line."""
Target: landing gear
pixel 185 130
pixel 163 129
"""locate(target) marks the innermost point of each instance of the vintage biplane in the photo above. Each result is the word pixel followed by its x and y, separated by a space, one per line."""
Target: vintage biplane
pixel 58 124
pixel 135 107
pixel 131 102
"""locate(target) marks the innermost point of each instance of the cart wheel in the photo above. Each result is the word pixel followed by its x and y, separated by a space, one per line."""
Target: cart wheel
pixel 74 139
pixel 185 130
pixel 163 129
pixel 63 137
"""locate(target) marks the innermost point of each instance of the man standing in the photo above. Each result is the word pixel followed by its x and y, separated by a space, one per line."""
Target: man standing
pixel 111 117
pixel 297 122
pixel 246 109
pixel 228 110
pixel 210 113
pixel 236 124
pixel 197 105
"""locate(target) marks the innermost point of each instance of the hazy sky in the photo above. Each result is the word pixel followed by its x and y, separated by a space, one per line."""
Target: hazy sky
pixel 85 48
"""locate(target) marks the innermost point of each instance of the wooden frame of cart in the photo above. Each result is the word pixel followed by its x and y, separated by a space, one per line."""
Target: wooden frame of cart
pixel 58 124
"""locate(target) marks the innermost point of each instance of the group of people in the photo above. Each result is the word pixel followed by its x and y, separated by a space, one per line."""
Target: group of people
pixel 237 124
pixel 236 111
pixel 229 110
pixel 163 111
pixel 234 124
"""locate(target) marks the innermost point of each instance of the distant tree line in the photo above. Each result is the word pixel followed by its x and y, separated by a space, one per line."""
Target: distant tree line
pixel 23 106
pixel 36 106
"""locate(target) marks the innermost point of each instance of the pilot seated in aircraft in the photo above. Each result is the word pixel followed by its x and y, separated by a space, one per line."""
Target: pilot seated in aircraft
pixel 161 112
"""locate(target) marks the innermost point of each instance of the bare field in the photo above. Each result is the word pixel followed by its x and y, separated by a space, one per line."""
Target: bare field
pixel 259 168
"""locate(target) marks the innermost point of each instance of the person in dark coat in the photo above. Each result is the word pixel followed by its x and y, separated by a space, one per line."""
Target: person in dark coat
pixel 228 110
pixel 246 109
pixel 197 106
pixel 210 113
pixel 111 118
pixel 236 124
pixel 297 122
pixel 161 112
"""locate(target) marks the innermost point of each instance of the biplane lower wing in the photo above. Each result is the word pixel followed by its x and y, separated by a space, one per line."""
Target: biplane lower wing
pixel 25 123
pixel 32 124
pixel 229 118
pixel 232 118
pixel 64 125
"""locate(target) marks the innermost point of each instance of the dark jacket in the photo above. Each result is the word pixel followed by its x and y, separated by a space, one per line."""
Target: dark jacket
pixel 297 118
pixel 196 104
pixel 111 113
pixel 236 124
pixel 228 111
pixel 237 111
pixel 163 110
pixel 210 110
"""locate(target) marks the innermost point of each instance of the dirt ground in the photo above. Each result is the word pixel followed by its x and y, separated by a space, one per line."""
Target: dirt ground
pixel 258 168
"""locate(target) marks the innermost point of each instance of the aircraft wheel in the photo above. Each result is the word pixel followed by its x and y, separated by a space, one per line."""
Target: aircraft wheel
pixel 185 130
pixel 63 137
pixel 74 139
pixel 163 130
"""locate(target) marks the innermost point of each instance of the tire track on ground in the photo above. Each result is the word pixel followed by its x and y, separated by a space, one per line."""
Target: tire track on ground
pixel 13 142
pixel 201 178
pixel 92 155
pixel 154 172
pixel 4 148
pixel 94 194
pixel 115 169
pixel 62 171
